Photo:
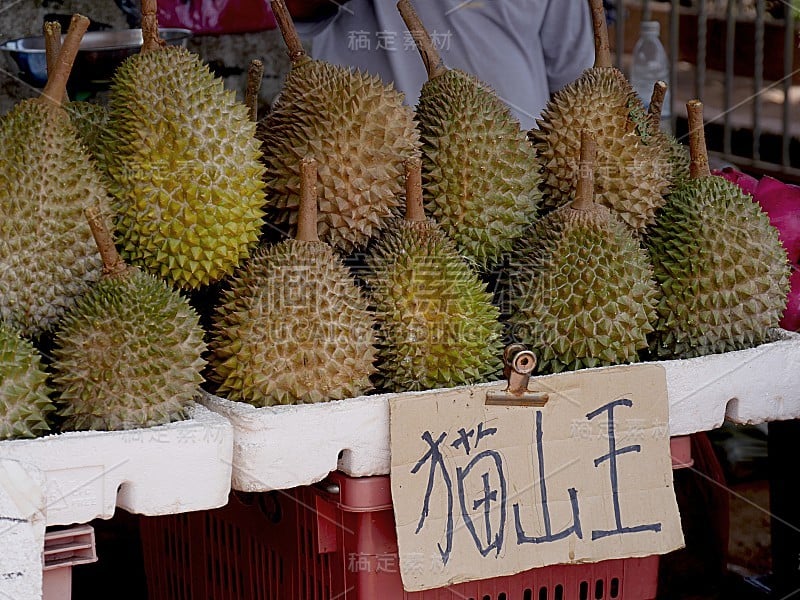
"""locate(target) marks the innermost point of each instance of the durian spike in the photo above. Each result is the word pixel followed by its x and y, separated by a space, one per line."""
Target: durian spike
pixel 52 44
pixel 657 103
pixel 697 141
pixel 113 265
pixel 56 87
pixel 584 193
pixel 427 49
pixel 602 51
pixel 307 211
pixel 414 207
pixel 254 75
pixel 150 39
pixel 288 31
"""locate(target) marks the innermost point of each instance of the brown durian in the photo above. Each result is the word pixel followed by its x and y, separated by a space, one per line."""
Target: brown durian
pixel 293 327
pixel 631 176
pixel 357 129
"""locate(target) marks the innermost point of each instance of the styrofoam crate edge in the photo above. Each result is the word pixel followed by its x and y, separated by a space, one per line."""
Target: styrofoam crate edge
pixel 745 386
pixel 281 447
pixel 286 446
pixel 22 530
pixel 172 468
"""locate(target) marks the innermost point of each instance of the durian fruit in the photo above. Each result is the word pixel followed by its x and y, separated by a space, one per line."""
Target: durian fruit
pixel 480 172
pixel 183 163
pixel 25 405
pixel 129 353
pixel 721 266
pixel 47 256
pixel 357 129
pixel 582 292
pixel 632 177
pixel 88 118
pixel 437 326
pixel 293 327
pixel 677 153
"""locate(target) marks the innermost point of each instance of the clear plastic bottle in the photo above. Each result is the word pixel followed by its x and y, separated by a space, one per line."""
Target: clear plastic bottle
pixel 650 64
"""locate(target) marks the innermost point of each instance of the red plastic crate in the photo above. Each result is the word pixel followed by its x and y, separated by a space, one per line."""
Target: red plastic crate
pixel 337 541
pixel 311 544
pixel 63 549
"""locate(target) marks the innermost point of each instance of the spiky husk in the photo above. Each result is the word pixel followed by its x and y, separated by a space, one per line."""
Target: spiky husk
pixel 292 328
pixel 677 153
pixel 722 270
pixel 183 162
pixel 581 291
pixel 630 177
pixel 359 132
pixel 437 326
pixel 24 401
pixel 128 355
pixel 90 120
pixel 680 160
pixel 48 257
pixel 480 172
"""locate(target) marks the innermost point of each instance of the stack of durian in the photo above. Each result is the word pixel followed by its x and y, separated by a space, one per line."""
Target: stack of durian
pixel 610 250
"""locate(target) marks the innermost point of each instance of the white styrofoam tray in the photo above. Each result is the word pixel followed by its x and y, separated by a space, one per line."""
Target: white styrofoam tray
pixel 22 530
pixel 167 469
pixel 280 447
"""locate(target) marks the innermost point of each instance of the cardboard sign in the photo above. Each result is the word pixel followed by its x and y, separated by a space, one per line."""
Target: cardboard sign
pixel 483 491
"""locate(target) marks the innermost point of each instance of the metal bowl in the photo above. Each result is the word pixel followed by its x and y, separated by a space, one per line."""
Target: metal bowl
pixel 99 55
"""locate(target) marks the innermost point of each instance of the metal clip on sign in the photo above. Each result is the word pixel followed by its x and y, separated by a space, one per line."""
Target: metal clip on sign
pixel 519 364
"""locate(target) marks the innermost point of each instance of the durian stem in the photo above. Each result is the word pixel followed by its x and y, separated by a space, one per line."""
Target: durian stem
pixel 427 49
pixel 52 44
pixel 414 207
pixel 657 103
pixel 584 194
pixel 56 87
pixel 113 265
pixel 254 76
pixel 288 31
pixel 602 51
pixel 698 167
pixel 150 38
pixel 307 212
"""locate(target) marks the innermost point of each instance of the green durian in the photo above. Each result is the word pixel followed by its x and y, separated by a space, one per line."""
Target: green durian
pixel 721 266
pixel 25 405
pixel 581 287
pixel 632 176
pixel 47 256
pixel 182 160
pixel 357 129
pixel 129 353
pixel 437 326
pixel 293 327
pixel 89 120
pixel 480 172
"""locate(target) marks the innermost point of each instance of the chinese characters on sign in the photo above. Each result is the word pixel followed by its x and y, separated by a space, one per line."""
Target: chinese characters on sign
pixel 495 490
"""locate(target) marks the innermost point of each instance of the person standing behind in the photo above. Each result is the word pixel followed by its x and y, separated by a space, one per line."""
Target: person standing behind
pixel 524 49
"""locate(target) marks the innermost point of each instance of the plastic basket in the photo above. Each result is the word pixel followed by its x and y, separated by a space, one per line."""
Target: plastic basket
pixel 337 541
pixel 63 549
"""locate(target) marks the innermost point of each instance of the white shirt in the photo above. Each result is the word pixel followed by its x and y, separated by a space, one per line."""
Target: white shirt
pixel 524 49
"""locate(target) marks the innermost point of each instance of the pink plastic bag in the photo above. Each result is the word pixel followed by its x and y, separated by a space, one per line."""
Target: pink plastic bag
pixel 216 16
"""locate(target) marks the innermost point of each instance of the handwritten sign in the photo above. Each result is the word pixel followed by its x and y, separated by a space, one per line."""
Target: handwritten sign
pixel 483 491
